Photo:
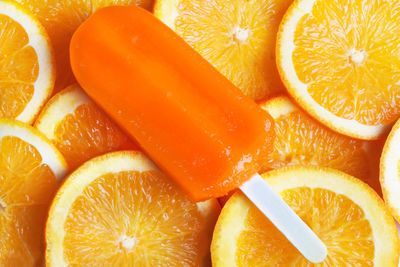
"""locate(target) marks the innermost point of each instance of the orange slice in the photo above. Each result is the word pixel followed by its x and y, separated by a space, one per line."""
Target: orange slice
pixel 78 128
pixel 390 171
pixel 300 140
pixel 339 59
pixel 30 167
pixel 120 210
pixel 26 65
pixel 346 214
pixel 237 37
pixel 61 18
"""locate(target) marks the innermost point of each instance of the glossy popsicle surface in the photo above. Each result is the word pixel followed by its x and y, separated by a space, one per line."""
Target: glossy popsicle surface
pixel 190 119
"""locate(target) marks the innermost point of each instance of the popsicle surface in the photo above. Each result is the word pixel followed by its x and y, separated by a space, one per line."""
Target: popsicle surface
pixel 198 127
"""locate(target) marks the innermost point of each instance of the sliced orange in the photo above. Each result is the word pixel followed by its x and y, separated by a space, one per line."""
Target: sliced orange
pixel 345 213
pixel 78 128
pixel 300 140
pixel 61 18
pixel 26 64
pixel 237 37
pixel 120 210
pixel 30 168
pixel 339 59
pixel 390 171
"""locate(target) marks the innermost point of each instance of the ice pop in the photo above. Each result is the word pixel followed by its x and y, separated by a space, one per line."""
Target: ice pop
pixel 197 126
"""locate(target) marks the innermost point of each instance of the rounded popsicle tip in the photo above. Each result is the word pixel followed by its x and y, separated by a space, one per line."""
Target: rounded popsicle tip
pixel 320 255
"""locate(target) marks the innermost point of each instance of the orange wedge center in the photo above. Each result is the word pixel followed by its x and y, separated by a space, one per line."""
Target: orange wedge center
pixel 135 221
pixel 347 54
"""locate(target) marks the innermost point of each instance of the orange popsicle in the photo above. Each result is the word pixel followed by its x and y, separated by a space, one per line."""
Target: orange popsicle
pixel 192 121
pixel 196 125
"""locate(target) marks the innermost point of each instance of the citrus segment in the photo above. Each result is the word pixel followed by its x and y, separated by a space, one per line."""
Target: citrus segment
pixel 78 128
pixel 340 61
pixel 300 140
pixel 29 170
pixel 26 67
pixel 237 37
pixel 118 209
pixel 61 18
pixel 390 171
pixel 347 215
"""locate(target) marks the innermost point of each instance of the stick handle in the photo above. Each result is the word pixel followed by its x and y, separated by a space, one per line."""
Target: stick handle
pixel 285 219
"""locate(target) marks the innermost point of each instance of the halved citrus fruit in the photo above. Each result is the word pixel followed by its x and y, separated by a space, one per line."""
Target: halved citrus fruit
pixel 78 128
pixel 120 210
pixel 390 171
pixel 339 59
pixel 30 168
pixel 26 64
pixel 345 213
pixel 237 37
pixel 61 18
pixel 300 140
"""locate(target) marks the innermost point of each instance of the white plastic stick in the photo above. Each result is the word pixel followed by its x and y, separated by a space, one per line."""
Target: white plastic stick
pixel 285 219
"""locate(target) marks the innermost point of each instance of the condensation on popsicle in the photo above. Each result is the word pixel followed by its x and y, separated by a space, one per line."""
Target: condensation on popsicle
pixel 190 119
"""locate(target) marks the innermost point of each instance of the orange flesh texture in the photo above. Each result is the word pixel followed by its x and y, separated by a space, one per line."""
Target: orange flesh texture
pixel 16 78
pixel 189 118
pixel 26 187
pixel 88 133
pixel 301 141
pixel 325 40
